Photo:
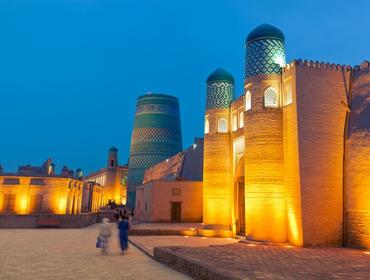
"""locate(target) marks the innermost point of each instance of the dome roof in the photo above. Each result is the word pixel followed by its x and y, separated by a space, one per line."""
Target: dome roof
pixel 220 75
pixel 265 31
pixel 113 149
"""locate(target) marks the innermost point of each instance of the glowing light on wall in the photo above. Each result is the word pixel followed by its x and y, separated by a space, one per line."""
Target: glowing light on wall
pixel 235 123
pixel 293 226
pixel 62 206
pixel 241 120
pixel 248 100
pixel 24 203
pixel 279 59
pixel 206 127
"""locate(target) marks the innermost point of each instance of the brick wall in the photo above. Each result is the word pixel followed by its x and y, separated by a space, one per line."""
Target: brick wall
pixel 358 161
pixel 264 165
pixel 63 221
pixel 320 120
pixel 291 160
pixel 217 171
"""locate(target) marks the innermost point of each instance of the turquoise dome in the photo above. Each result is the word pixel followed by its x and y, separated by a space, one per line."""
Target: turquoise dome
pixel 113 149
pixel 220 75
pixel 265 31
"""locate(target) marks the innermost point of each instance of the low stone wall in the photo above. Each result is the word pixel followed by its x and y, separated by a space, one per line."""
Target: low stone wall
pixel 48 220
pixel 168 256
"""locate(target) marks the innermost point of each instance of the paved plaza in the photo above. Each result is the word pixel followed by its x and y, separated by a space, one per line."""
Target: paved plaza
pixel 147 243
pixel 251 261
pixel 71 254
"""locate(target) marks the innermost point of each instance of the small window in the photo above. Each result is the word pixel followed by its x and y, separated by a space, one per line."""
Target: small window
pixel 271 98
pixel 37 181
pixel 11 181
pixel 248 100
pixel 206 127
pixel 241 119
pixel 222 125
pixel 235 123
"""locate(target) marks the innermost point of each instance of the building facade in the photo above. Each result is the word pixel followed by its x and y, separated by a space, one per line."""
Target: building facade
pixel 112 179
pixel 172 190
pixel 156 136
pixel 286 161
pixel 38 190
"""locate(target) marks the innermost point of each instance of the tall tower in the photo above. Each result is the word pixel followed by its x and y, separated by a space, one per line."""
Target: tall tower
pixel 156 137
pixel 263 130
pixel 112 157
pixel 217 150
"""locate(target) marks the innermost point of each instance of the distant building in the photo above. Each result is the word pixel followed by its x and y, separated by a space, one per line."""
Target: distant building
pixel 38 190
pixel 113 179
pixel 172 190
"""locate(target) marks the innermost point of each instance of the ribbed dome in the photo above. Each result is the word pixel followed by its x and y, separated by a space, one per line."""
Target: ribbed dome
pixel 220 75
pixel 265 31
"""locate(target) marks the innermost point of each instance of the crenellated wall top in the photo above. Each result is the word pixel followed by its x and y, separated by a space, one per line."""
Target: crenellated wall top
pixel 316 64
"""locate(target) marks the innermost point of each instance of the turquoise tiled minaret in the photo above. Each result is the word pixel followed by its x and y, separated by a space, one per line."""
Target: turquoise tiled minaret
pixel 156 137
pixel 265 51
pixel 220 90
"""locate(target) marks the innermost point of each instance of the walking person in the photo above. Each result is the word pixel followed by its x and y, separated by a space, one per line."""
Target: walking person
pixel 131 217
pixel 104 235
pixel 123 227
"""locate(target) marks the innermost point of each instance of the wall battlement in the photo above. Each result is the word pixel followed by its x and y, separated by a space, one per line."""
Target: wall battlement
pixel 316 64
pixel 365 64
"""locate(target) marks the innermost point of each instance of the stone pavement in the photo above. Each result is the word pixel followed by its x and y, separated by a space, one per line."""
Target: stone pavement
pixel 71 254
pixel 147 243
pixel 250 261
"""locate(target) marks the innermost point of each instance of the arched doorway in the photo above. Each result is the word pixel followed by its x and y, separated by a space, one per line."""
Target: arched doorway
pixel 240 197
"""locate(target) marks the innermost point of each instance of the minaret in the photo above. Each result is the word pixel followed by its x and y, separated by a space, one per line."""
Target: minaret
pixel 264 158
pixel 217 151
pixel 156 136
pixel 112 157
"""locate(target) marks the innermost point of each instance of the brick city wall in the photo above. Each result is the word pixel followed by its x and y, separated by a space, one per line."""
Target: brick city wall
pixel 358 161
pixel 47 220
pixel 291 158
pixel 320 91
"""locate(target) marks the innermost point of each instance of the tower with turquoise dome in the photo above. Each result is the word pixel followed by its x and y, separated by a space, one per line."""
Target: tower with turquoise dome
pixel 263 132
pixel 265 51
pixel 156 136
pixel 220 89
pixel 217 150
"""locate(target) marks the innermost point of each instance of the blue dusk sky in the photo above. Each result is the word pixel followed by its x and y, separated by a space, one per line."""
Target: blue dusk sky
pixel 71 70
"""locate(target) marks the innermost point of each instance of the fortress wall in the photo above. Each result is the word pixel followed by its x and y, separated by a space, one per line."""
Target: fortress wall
pixel 264 165
pixel 320 89
pixel 291 160
pixel 217 171
pixel 358 161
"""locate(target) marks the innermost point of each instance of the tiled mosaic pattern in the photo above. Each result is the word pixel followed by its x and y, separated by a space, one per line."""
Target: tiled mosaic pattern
pixel 156 137
pixel 159 109
pixel 220 94
pixel 154 134
pixel 263 57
